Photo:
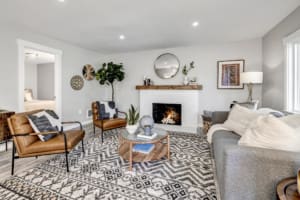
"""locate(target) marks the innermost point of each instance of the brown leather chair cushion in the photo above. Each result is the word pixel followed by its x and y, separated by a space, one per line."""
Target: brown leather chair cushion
pixel 55 144
pixel 111 123
pixel 20 125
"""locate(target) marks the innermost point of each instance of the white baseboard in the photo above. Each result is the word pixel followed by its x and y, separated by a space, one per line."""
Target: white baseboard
pixel 72 126
pixel 186 129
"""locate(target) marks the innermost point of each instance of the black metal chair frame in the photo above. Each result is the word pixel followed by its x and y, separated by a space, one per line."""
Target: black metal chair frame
pixel 46 133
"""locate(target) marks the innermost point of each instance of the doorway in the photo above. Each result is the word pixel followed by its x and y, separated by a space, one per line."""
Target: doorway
pixel 39 77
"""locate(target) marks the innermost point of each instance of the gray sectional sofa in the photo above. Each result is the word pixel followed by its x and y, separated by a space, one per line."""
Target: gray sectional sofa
pixel 249 173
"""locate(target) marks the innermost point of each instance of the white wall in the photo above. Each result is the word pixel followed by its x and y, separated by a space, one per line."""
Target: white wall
pixel 72 62
pixel 139 64
pixel 45 81
pixel 31 78
pixel 273 57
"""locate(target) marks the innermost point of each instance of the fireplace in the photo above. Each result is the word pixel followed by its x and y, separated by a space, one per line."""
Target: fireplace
pixel 164 113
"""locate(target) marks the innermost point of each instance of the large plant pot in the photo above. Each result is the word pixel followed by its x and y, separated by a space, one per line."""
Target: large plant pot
pixel 132 128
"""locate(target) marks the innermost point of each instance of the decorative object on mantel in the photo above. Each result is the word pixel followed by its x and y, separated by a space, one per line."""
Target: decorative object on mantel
pixel 132 118
pixel 109 73
pixel 169 87
pixel 250 78
pixel 88 72
pixel 77 82
pixel 193 81
pixel 185 72
pixel 147 123
pixel 166 65
pixel 147 81
pixel 229 72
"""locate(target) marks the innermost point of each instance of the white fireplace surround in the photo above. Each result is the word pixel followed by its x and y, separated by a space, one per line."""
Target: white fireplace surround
pixel 189 100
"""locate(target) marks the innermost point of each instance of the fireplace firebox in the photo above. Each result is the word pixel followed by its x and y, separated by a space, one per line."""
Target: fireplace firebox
pixel 164 113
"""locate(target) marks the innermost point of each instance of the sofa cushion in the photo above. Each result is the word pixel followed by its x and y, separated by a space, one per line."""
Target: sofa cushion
pixel 292 120
pixel 239 119
pixel 272 133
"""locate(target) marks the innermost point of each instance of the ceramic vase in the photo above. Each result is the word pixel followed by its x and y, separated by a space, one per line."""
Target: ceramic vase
pixel 131 128
pixel 185 80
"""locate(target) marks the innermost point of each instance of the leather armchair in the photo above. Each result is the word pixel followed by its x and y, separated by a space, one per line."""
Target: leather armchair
pixel 106 124
pixel 27 144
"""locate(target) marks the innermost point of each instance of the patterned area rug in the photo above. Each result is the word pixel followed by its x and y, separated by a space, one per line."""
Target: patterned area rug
pixel 100 173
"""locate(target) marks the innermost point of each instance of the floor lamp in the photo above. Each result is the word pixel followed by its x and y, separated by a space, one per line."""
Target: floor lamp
pixel 249 79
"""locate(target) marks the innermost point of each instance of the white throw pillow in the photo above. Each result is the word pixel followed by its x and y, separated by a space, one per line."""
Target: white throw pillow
pixel 292 120
pixel 271 133
pixel 239 119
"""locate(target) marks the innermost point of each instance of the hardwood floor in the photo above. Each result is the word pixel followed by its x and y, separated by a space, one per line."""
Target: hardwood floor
pixel 20 164
pixel 23 164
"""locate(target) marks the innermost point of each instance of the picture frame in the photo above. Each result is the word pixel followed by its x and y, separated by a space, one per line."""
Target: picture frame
pixel 229 74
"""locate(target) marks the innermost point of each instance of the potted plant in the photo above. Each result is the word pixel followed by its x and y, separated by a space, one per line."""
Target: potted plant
pixel 109 73
pixel 185 72
pixel 132 118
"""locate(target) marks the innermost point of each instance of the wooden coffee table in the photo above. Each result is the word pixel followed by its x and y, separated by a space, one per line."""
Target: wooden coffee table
pixel 287 189
pixel 161 149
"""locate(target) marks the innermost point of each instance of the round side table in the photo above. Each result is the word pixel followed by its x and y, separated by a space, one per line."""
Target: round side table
pixel 287 189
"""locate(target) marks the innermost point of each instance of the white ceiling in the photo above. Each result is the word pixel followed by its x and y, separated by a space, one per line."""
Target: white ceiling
pixel 147 24
pixel 38 57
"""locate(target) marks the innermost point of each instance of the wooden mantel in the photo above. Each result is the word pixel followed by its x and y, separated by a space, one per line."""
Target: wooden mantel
pixel 169 87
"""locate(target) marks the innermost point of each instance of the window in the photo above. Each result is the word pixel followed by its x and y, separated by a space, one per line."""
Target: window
pixel 292 79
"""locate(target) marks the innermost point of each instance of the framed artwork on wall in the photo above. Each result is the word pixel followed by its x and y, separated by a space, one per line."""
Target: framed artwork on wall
pixel 229 74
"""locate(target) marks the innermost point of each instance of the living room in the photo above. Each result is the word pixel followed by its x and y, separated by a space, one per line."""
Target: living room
pixel 199 38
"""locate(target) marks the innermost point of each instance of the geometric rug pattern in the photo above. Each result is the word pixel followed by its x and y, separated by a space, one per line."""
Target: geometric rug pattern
pixel 100 173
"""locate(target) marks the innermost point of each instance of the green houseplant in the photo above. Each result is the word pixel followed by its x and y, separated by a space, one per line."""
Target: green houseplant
pixel 132 118
pixel 109 73
pixel 185 71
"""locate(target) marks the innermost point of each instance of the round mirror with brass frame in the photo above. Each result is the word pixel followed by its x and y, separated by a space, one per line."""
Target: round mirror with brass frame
pixel 166 65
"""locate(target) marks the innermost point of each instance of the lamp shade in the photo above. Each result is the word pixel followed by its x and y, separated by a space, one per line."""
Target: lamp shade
pixel 252 77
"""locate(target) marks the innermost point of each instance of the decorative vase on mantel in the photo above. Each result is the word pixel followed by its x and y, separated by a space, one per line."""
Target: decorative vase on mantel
pixel 185 80
pixel 185 71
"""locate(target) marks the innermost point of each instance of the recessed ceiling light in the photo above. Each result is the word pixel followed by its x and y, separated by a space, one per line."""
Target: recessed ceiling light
pixel 195 24
pixel 122 37
pixel 61 0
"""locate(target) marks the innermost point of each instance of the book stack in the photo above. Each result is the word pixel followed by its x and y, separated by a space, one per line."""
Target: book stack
pixel 143 148
pixel 149 137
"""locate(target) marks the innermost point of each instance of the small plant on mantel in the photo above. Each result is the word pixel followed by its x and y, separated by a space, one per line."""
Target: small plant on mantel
pixel 185 71
pixel 132 118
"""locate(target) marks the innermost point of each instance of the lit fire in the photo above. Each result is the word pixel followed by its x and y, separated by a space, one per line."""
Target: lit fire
pixel 170 116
